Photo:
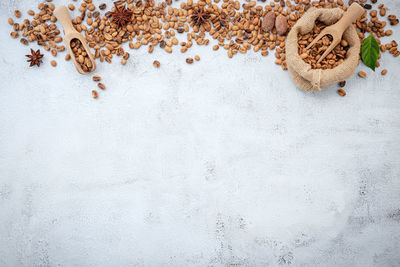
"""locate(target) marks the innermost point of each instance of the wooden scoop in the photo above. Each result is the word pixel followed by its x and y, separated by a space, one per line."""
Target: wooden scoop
pixel 336 30
pixel 70 34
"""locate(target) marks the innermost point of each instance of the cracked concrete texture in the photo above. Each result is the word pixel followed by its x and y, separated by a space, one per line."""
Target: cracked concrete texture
pixel 219 163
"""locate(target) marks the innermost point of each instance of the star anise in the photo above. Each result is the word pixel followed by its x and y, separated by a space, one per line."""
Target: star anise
pixel 35 58
pixel 121 16
pixel 200 16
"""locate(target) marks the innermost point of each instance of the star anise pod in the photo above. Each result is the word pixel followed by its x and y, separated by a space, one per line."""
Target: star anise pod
pixel 199 16
pixel 35 58
pixel 121 16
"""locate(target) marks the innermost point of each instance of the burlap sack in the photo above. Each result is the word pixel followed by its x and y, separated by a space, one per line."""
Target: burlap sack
pixel 316 79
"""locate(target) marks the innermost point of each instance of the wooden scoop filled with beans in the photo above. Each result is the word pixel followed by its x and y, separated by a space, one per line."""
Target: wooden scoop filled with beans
pixel 75 43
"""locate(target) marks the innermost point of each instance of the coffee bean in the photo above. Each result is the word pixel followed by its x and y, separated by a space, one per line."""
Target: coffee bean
pixel 367 6
pixel 341 92
pixel 156 63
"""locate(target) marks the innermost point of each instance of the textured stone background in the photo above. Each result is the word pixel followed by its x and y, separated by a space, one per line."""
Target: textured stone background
pixel 219 163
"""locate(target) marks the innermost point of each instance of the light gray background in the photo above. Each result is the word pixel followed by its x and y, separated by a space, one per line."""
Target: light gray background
pixel 220 163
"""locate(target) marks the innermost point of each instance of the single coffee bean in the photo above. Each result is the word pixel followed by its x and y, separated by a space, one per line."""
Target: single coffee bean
pixel 101 86
pixel 362 74
pixel 95 94
pixel 156 63
pixel 367 6
pixel 341 92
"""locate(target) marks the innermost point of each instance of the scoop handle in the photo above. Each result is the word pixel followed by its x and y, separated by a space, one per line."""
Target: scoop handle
pixel 62 15
pixel 354 12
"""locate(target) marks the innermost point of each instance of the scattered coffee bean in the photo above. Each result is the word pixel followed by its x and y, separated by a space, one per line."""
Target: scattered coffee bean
pixel 24 41
pixel 102 6
pixel 162 44
pixel 189 60
pixel 197 58
pixel 156 63
pixel 342 84
pixel 362 74
pixel 14 35
pixel 341 92
pixel 388 32
pixel 367 6
pixel 384 72
pixel 96 78
pixel 101 86
pixel 17 13
pixel 58 39
pixel 53 63
pixel 95 94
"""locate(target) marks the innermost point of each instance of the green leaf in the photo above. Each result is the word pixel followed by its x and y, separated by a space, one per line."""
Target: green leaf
pixel 370 52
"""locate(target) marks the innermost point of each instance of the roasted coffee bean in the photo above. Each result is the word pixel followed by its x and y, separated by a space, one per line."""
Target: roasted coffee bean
pixel 156 63
pixel 341 92
pixel 362 74
pixel 367 6
pixel 96 78
pixel 101 86
pixel 162 44
pixel 95 94
pixel 24 41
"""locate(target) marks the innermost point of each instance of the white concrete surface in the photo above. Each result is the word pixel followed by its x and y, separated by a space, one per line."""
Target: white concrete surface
pixel 219 163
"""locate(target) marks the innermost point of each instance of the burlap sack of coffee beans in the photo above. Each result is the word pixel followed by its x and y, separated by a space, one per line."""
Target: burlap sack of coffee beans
pixel 301 72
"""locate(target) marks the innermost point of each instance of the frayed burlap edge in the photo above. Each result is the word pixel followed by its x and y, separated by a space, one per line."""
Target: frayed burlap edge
pixel 315 80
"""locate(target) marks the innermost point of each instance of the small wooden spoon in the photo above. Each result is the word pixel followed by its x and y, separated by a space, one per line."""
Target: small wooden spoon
pixel 336 30
pixel 71 34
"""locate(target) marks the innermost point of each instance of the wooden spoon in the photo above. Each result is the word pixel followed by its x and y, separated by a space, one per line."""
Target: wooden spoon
pixel 71 34
pixel 336 30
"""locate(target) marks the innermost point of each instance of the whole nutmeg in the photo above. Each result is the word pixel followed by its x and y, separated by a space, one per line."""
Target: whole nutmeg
pixel 281 24
pixel 268 22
